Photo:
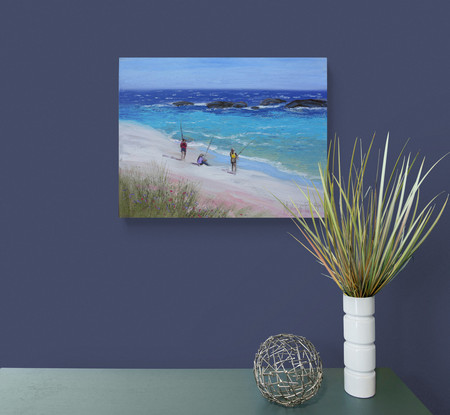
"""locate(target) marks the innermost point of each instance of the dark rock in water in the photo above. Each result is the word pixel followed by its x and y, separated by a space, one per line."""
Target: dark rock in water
pixel 307 103
pixel 271 101
pixel 255 108
pixel 182 103
pixel 240 104
pixel 220 104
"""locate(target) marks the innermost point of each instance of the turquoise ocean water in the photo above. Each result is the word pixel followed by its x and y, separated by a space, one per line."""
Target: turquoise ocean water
pixel 284 143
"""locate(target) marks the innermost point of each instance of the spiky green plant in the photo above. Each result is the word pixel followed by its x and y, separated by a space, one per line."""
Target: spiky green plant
pixel 366 236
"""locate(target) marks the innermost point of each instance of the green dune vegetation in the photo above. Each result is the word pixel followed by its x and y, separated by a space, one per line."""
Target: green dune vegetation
pixel 156 195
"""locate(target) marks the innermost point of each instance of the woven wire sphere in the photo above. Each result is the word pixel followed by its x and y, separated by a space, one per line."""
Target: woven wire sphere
pixel 287 369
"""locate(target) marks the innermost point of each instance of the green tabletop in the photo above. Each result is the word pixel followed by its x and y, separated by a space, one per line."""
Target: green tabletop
pixel 183 392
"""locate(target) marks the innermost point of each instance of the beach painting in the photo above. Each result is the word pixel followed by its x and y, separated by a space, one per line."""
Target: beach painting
pixel 220 137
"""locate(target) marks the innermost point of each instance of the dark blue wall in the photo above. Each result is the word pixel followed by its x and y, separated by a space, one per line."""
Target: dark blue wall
pixel 80 287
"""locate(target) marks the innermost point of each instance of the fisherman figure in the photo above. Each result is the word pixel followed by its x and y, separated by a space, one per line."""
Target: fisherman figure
pixel 233 160
pixel 201 160
pixel 183 146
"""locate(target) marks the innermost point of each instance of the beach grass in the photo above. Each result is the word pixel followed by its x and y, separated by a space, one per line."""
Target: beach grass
pixel 157 195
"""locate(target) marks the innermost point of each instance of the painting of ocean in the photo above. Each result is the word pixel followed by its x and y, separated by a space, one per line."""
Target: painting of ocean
pixel 272 112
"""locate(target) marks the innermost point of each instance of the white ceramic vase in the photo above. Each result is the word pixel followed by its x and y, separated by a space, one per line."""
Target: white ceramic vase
pixel 359 347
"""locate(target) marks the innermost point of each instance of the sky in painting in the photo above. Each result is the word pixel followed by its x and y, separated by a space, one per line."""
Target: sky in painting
pixel 223 73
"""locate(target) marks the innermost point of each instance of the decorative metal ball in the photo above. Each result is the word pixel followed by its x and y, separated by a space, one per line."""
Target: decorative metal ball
pixel 287 369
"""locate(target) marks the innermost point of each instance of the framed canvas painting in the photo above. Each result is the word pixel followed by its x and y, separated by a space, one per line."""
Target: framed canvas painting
pixel 220 137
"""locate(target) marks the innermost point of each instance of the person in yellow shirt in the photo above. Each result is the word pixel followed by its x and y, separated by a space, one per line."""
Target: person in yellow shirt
pixel 233 159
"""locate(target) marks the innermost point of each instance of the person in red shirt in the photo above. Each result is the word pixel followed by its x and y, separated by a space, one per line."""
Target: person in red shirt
pixel 183 146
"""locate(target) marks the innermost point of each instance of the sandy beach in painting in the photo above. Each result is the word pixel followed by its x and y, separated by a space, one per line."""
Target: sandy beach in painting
pixel 141 147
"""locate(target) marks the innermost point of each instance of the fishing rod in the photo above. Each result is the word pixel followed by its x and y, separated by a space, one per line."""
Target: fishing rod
pixel 209 145
pixel 188 139
pixel 246 146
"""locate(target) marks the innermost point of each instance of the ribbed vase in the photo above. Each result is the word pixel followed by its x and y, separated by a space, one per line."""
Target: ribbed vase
pixel 359 347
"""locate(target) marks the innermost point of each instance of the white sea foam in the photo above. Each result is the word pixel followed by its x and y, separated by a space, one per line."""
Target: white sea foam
pixel 273 106
pixel 258 133
pixel 195 144
pixel 298 109
pixel 270 127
